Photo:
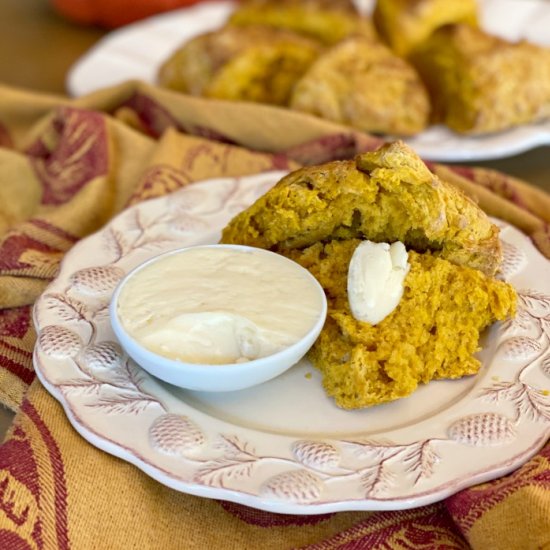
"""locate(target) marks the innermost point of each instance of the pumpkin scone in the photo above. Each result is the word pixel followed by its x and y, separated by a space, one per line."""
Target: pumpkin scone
pixel 480 83
pixel 385 196
pixel 399 315
pixel 431 334
pixel 253 63
pixel 328 21
pixel 362 83
pixel 404 24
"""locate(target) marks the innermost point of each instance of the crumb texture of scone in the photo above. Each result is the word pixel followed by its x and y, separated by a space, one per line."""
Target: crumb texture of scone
pixel 432 334
pixel 385 196
pixel 362 83
pixel 328 21
pixel 404 24
pixel 479 83
pixel 252 63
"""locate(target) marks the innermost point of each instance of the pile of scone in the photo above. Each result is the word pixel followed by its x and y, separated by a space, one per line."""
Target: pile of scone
pixel 414 63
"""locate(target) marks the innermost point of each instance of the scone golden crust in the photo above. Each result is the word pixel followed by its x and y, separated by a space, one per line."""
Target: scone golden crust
pixel 362 83
pixel 404 24
pixel 433 333
pixel 326 20
pixel 253 63
pixel 384 196
pixel 480 83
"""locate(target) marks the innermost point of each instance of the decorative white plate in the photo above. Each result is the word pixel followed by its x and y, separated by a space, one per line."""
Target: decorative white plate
pixel 136 52
pixel 284 446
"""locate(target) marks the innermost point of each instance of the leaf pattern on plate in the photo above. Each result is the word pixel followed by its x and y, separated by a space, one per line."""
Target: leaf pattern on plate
pixel 536 303
pixel 126 402
pixel 419 460
pixel 117 243
pixel 237 462
pixel 532 350
pixel 67 308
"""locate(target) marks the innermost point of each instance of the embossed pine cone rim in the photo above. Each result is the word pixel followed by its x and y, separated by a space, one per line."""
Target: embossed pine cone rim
pixel 103 355
pixel 298 486
pixel 483 429
pixel 59 342
pixel 175 435
pixel 316 454
pixel 96 280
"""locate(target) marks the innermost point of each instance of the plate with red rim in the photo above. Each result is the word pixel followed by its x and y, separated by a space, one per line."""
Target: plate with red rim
pixel 283 446
pixel 135 52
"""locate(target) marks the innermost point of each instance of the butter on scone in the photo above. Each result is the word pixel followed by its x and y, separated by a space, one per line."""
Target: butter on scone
pixel 376 280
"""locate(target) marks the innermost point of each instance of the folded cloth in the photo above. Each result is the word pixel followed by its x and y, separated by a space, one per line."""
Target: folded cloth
pixel 66 167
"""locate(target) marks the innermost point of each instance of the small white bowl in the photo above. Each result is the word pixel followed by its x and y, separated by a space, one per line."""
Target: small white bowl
pixel 217 377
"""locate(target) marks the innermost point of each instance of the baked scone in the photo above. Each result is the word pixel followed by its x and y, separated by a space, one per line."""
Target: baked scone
pixel 326 20
pixel 480 83
pixel 362 83
pixel 385 196
pixel 433 333
pixel 404 24
pixel 251 63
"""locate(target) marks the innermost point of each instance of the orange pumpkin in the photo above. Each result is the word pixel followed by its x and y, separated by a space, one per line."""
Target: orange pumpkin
pixel 114 13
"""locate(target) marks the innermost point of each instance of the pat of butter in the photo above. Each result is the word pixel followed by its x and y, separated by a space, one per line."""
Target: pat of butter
pixel 376 278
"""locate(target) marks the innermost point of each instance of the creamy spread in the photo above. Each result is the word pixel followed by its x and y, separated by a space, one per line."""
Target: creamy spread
pixel 376 278
pixel 214 305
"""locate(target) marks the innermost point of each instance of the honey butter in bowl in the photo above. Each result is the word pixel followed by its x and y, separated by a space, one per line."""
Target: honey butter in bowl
pixel 218 317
